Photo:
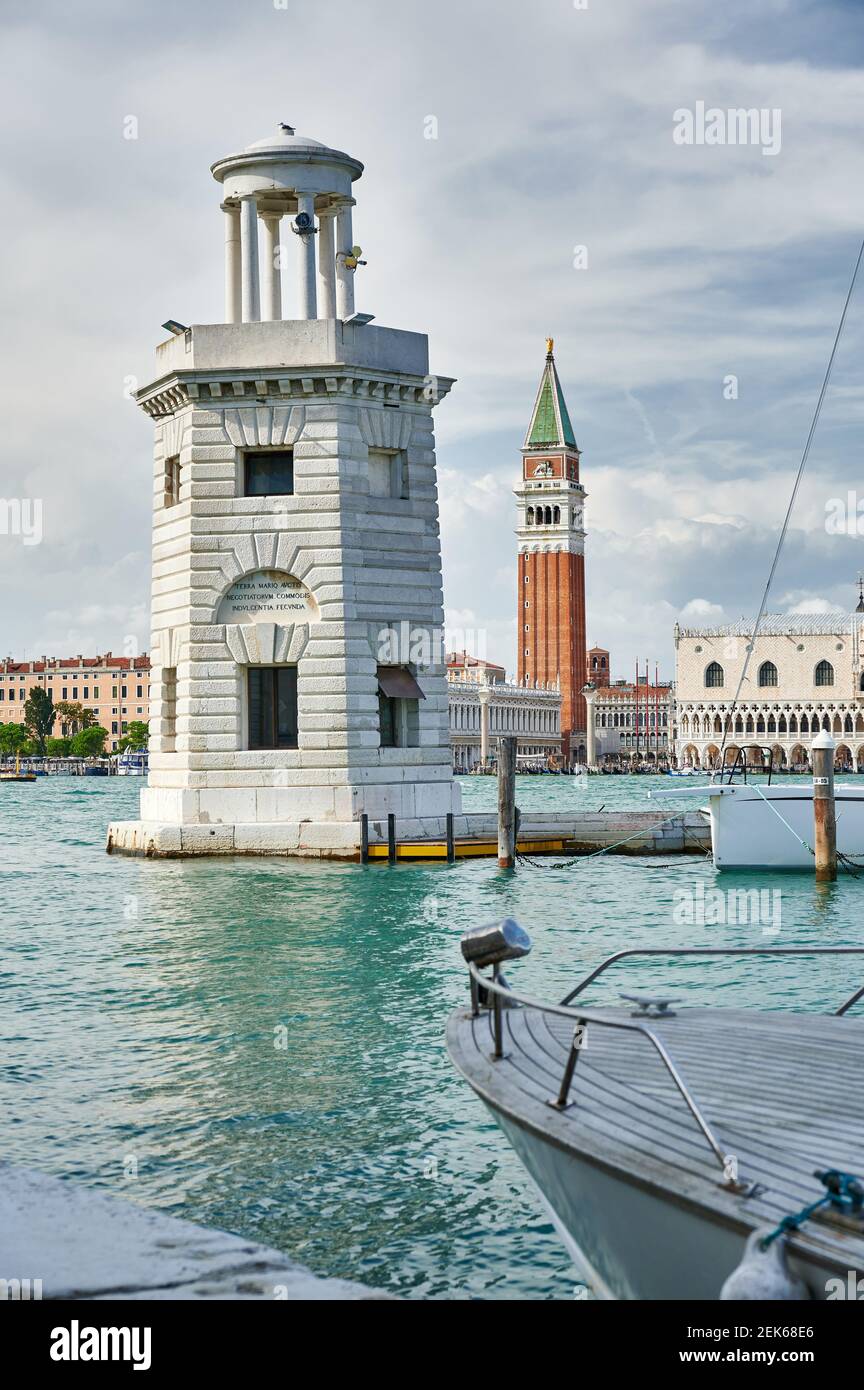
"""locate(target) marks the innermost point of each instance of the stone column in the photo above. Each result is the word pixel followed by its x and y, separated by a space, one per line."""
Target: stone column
pixel 271 275
pixel 233 304
pixel 251 294
pixel 344 276
pixel 327 265
pixel 485 696
pixel 591 733
pixel 306 284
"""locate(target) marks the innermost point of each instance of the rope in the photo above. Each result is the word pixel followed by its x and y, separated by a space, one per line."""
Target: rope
pixel 793 833
pixel 792 500
pixel 844 1192
pixel 576 860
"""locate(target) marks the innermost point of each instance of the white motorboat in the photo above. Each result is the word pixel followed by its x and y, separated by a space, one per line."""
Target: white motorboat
pixel 770 826
pixel 663 1140
pixel 133 762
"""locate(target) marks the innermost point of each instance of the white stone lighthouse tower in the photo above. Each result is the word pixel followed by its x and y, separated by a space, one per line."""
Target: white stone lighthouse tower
pixel 297 643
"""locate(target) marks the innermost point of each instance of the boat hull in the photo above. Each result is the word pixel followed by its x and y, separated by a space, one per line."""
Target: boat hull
pixel 632 1184
pixel 772 827
pixel 640 1244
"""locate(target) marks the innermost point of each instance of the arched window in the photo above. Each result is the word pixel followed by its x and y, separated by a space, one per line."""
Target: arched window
pixel 530 516
pixel 824 673
pixel 548 516
pixel 767 674
pixel 557 515
pixel 714 675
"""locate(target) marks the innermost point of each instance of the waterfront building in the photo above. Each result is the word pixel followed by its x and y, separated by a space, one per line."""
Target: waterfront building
pixel 297 607
pixel 805 674
pixel 551 545
pixel 116 689
pixel 483 710
pixel 467 667
pixel 628 721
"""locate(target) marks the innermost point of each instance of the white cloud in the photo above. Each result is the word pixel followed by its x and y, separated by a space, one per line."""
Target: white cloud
pixel 703 262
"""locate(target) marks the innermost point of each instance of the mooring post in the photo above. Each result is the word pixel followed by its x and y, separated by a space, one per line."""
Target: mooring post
pixel 451 842
pixel 824 817
pixel 391 838
pixel 506 803
pixel 364 839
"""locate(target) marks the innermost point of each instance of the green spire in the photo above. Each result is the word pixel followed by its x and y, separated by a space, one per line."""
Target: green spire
pixel 550 426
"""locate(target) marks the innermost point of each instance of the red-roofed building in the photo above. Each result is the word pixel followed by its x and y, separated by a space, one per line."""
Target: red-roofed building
pixel 461 665
pixel 115 688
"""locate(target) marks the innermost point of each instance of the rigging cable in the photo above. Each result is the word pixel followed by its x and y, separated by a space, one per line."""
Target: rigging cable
pixel 818 411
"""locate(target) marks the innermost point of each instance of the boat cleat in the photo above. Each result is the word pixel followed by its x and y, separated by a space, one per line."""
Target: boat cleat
pixel 650 1006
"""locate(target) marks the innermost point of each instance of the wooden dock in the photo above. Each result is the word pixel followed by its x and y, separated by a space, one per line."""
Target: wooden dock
pixel 555 833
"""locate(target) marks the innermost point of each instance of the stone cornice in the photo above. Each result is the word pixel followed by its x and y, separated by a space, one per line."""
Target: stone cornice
pixel 272 385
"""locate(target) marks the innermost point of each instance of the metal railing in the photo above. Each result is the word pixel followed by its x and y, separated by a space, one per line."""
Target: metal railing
pixel 501 994
pixel 501 991
pixel 726 951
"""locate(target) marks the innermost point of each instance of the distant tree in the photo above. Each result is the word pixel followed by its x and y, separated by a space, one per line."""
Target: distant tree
pixel 136 736
pixel 39 717
pixel 13 739
pixel 73 716
pixel 58 747
pixel 89 743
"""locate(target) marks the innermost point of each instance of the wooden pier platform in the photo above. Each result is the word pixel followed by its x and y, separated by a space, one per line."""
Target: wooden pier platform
pixel 560 833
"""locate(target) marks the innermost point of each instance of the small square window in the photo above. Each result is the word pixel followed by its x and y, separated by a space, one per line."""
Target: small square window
pixel 399 698
pixel 172 482
pixel 388 473
pixel 269 474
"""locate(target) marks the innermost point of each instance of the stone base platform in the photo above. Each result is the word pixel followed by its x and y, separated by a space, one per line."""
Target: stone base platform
pixel 62 1241
pixel 561 832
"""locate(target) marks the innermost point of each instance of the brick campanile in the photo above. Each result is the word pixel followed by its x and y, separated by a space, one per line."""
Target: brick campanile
pixel 551 539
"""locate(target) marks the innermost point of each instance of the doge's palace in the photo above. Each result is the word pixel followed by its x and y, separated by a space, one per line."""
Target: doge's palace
pixel 805 675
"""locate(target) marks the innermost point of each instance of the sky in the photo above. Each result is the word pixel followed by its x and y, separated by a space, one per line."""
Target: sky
pixel 693 290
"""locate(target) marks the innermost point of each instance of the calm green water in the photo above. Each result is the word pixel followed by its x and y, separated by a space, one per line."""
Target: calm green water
pixel 140 1005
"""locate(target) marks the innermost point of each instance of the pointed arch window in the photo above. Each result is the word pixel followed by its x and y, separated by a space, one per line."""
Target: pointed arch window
pixel 824 673
pixel 767 674
pixel 714 677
